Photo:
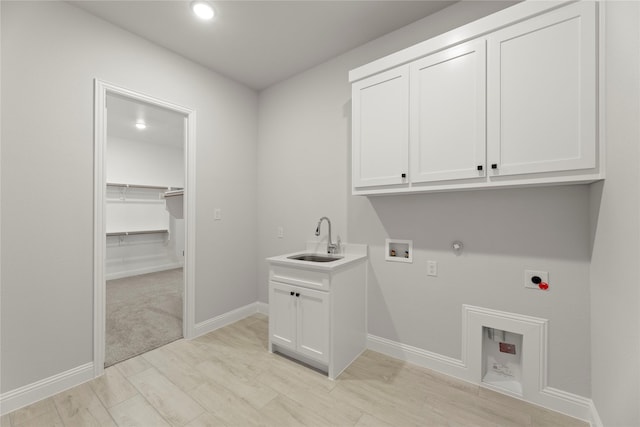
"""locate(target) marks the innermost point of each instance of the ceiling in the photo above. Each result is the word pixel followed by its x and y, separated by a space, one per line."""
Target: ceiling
pixel 164 127
pixel 259 43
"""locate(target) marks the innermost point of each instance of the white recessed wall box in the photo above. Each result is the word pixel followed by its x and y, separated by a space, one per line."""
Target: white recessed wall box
pixel 398 250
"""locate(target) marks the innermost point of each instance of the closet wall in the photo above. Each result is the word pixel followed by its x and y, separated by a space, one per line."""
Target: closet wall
pixel 142 171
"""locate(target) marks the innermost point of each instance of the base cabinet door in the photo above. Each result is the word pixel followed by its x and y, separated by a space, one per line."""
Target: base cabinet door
pixel 542 91
pixel 313 324
pixel 299 320
pixel 282 315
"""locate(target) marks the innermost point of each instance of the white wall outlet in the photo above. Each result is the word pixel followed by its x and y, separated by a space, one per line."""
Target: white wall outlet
pixel 280 232
pixel 535 279
pixel 217 214
pixel 432 268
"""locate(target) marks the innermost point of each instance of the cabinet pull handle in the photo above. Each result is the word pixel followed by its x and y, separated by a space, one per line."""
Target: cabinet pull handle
pixel 297 294
pixel 479 167
pixel 292 293
pixel 404 175
pixel 494 166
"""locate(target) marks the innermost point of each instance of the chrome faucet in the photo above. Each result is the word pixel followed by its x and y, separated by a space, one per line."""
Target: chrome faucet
pixel 332 248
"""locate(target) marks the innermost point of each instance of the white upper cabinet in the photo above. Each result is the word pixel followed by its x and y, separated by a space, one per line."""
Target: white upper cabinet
pixel 508 100
pixel 381 129
pixel 447 114
pixel 542 113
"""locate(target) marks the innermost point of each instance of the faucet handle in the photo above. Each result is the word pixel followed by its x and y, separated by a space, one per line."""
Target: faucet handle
pixel 338 245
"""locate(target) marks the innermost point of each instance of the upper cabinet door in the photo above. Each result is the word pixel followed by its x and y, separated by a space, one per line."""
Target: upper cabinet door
pixel 447 114
pixel 542 93
pixel 381 129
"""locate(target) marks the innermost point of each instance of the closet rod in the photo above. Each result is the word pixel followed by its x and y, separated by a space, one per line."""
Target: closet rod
pixel 132 233
pixel 153 187
pixel 174 193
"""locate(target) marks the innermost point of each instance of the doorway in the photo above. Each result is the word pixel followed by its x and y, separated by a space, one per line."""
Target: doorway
pixel 144 228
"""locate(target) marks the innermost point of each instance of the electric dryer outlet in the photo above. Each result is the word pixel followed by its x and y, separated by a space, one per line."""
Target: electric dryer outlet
pixel 535 279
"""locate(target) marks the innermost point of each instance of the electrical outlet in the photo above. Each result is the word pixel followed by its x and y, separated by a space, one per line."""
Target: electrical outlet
pixel 217 214
pixel 280 232
pixel 536 280
pixel 432 268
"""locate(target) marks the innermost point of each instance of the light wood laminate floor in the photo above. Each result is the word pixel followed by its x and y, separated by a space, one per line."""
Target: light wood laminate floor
pixel 228 378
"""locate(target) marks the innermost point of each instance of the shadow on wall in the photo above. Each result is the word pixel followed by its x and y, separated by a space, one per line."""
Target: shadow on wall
pixel 548 222
pixel 595 200
pixel 346 113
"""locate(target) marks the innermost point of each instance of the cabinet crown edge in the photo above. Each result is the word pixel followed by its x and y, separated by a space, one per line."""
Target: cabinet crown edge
pixel 483 26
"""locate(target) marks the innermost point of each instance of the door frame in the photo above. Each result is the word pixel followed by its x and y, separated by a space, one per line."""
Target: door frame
pixel 101 90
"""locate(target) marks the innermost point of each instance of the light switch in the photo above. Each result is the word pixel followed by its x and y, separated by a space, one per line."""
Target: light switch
pixel 432 268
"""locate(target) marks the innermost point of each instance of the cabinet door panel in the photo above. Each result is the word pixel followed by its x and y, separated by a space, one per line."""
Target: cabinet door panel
pixel 447 114
pixel 313 324
pixel 542 93
pixel 381 128
pixel 282 315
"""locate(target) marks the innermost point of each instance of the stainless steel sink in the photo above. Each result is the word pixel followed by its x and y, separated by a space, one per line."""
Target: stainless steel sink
pixel 315 257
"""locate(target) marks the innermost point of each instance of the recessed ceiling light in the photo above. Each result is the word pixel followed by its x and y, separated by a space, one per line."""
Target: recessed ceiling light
pixel 141 125
pixel 202 9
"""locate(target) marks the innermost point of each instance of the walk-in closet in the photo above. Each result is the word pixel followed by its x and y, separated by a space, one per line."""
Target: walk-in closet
pixel 145 226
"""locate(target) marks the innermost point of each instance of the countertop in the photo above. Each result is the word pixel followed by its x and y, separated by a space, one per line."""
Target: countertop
pixel 349 252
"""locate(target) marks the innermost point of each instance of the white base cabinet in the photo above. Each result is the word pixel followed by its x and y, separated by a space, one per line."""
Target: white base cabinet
pixel 300 320
pixel 318 316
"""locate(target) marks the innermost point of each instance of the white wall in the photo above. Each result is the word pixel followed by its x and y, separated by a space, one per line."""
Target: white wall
pixel 304 172
pixel 615 275
pixel 51 52
pixel 144 163
pixel 304 147
pixel 504 232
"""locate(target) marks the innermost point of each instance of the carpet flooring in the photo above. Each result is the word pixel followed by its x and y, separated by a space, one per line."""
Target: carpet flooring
pixel 142 313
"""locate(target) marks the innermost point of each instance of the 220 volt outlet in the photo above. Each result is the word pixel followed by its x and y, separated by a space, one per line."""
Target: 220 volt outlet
pixel 534 279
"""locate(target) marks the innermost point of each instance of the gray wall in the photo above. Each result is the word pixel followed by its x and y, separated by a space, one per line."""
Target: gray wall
pixel 504 232
pixel 588 238
pixel 51 52
pixel 304 146
pixel 304 172
pixel 615 262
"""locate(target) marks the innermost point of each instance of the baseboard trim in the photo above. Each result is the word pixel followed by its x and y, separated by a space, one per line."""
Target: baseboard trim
pixel 594 418
pixel 551 398
pixel 417 356
pixel 224 319
pixel 555 399
pixel 145 270
pixel 566 403
pixel 32 393
pixel 263 308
